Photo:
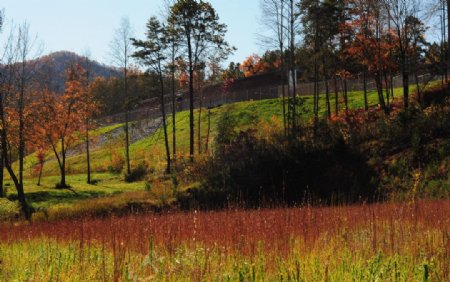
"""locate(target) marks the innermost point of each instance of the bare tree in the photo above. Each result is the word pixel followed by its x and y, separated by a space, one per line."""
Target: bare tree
pixel 274 20
pixel 121 50
pixel 87 121
pixel 399 11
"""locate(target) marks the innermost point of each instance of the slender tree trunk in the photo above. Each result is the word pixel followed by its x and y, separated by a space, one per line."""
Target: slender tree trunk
pixel 208 131
pixel 21 126
pixel 405 77
pixel 444 54
pixel 379 85
pixel 289 110
pixel 191 101
pixel 386 85
pixel 127 131
pixel 392 87
pixel 283 90
pixel 345 94
pixel 20 191
pixel 174 111
pixel 7 164
pixel 336 96
pixel 63 165
pixel 88 157
pixel 448 42
pixel 327 88
pixel 163 112
pixel 41 164
pixel 327 96
pixel 405 88
pixel 366 103
pixel 199 124
pixel 316 93
pixel 419 94
pixel 2 191
pixel 292 53
pixel 283 67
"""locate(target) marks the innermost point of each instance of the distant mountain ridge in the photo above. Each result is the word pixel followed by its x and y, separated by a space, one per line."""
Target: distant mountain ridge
pixel 51 69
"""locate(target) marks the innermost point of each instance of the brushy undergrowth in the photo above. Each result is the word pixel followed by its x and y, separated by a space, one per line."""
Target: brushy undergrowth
pixel 356 156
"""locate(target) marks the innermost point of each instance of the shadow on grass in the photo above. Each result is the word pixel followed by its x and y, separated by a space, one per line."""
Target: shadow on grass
pixel 59 196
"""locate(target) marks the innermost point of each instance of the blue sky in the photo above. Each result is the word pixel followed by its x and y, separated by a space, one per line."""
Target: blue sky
pixel 80 25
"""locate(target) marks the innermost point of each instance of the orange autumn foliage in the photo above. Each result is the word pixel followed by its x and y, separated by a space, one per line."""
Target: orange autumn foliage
pixel 255 65
pixel 62 117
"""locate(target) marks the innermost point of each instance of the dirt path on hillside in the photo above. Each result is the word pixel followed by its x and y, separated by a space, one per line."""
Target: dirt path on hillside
pixel 138 130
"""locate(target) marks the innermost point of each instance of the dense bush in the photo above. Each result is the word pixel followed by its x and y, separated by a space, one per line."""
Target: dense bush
pixel 137 173
pixel 252 172
pixel 359 156
pixel 117 163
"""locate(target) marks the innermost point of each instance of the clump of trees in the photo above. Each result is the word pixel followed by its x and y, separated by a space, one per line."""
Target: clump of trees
pixel 341 40
pixel 34 119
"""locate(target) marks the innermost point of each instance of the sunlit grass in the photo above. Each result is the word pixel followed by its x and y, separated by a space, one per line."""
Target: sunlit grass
pixel 388 242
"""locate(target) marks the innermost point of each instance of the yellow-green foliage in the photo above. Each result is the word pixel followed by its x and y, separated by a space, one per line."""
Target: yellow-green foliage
pixel 8 209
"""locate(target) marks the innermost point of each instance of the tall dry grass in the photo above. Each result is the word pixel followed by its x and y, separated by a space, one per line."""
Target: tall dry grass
pixel 413 237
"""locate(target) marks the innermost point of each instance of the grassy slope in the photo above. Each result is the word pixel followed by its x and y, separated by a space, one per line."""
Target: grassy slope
pixel 151 149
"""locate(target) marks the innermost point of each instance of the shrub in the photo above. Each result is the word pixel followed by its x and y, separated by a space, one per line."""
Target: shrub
pixel 117 163
pixel 252 173
pixel 137 173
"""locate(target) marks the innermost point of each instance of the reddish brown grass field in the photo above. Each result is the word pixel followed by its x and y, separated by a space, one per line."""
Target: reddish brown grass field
pixel 418 230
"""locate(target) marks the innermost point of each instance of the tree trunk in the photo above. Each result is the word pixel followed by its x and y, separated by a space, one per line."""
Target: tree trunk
pixel 174 110
pixel 405 80
pixel 327 96
pixel 2 191
pixel 392 87
pixel 191 101
pixel 62 167
pixel 127 133
pixel 379 85
pixel 6 162
pixel 163 112
pixel 26 210
pixel 40 173
pixel 283 89
pixel 448 42
pixel 316 93
pixel 405 88
pixel 419 94
pixel 327 89
pixel 62 183
pixel 208 132
pixel 22 127
pixel 386 85
pixel 336 97
pixel 88 157
pixel 345 94
pixel 199 123
pixel 283 67
pixel 366 103
pixel 293 74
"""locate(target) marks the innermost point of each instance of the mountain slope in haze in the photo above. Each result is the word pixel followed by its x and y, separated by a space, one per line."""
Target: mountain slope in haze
pixel 50 69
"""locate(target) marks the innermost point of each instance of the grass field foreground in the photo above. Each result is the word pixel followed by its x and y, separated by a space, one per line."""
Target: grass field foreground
pixel 381 242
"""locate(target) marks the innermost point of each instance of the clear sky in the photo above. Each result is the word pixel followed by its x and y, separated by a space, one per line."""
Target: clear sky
pixel 80 25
